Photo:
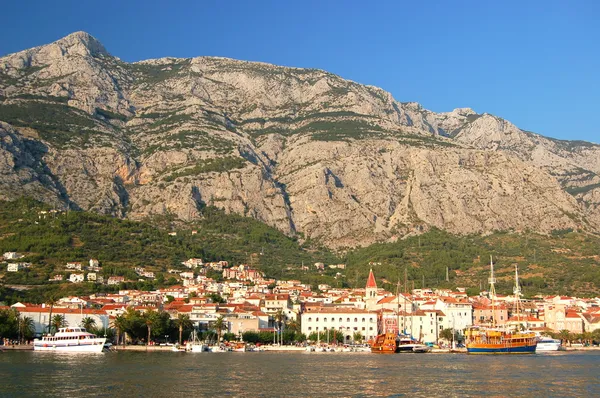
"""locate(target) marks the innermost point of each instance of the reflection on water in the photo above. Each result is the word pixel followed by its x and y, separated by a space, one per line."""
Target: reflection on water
pixel 297 374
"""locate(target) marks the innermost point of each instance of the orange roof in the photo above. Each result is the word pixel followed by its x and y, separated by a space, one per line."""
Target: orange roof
pixel 371 281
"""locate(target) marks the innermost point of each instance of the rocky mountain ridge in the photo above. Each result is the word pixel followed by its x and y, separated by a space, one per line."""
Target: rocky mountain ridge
pixel 302 150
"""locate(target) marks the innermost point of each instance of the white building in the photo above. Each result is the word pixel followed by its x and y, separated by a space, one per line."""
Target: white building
pixel 94 265
pixel 12 256
pixel 76 278
pixel 344 319
pixel 14 267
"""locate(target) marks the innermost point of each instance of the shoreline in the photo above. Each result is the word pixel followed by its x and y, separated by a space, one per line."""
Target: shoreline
pixel 155 348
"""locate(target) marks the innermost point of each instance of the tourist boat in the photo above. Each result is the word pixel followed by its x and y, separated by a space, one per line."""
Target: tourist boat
pixel 385 343
pixel 501 340
pixel 70 339
pixel 484 340
pixel 549 344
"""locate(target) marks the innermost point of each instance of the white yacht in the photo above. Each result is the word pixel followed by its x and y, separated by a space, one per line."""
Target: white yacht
pixel 70 339
pixel 549 344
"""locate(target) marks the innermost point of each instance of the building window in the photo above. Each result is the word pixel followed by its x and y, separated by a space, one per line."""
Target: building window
pixel 355 319
pixel 340 319
pixel 310 319
pixel 317 320
pixel 309 328
pixel 363 319
pixel 363 328
pixel 355 328
pixel 370 327
pixel 324 319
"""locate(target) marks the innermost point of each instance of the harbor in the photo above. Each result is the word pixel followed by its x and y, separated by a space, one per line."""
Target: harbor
pixel 297 374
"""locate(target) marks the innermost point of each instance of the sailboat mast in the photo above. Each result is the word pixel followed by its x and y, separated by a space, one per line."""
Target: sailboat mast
pixel 398 308
pixel 492 281
pixel 517 292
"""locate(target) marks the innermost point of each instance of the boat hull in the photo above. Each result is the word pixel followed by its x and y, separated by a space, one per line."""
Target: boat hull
pixel 500 349
pixel 549 347
pixel 57 346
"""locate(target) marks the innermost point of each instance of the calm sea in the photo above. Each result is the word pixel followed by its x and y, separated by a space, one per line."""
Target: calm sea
pixel 140 374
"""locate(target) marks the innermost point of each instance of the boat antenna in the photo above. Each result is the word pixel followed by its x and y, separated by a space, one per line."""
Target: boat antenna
pixel 492 281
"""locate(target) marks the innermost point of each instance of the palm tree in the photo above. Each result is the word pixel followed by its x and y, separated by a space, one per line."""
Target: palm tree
pixel 294 326
pixel 565 336
pixel 183 322
pixel 119 323
pixel 58 321
pixel 51 299
pixel 88 323
pixel 219 325
pixel 150 318
pixel 357 337
pixel 279 318
pixel 26 328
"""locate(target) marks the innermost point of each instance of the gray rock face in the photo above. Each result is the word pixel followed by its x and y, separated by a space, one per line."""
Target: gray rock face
pixel 299 149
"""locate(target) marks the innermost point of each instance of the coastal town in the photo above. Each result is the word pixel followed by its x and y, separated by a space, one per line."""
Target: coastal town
pixel 243 302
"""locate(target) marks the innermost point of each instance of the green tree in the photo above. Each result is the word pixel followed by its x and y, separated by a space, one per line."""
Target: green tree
pixel 51 299
pixel 119 323
pixel 58 321
pixel 446 334
pixel 183 322
pixel 565 336
pixel 9 323
pixel 26 328
pixel 219 325
pixel 89 324
pixel 216 298
pixel 150 319
pixel 357 337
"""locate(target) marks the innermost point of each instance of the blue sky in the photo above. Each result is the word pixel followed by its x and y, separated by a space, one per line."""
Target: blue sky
pixel 535 63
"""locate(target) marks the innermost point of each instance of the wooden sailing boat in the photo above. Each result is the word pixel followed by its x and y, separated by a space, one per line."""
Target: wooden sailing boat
pixel 387 340
pixel 500 340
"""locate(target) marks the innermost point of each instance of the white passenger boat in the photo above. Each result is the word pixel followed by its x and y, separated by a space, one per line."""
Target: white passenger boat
pixel 70 339
pixel 549 344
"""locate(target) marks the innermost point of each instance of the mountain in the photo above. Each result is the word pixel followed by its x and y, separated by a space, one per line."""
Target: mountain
pixel 302 150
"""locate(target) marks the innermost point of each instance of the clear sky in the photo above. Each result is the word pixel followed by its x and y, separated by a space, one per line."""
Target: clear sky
pixel 535 63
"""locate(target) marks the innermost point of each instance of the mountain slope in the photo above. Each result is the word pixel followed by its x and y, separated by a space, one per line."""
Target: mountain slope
pixel 302 150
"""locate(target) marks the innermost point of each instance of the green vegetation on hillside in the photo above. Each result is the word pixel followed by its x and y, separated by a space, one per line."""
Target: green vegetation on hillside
pixel 56 123
pixel 218 165
pixel 563 263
